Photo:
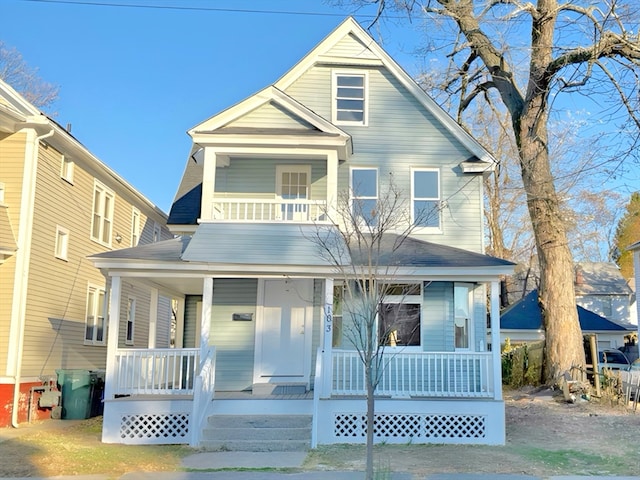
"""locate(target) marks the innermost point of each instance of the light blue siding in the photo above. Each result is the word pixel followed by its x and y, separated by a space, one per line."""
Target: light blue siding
pixel 437 317
pixel 402 134
pixel 191 320
pixel 234 340
pixel 271 116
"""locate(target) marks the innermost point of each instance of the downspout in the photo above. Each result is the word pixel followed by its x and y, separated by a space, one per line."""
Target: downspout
pixel 22 267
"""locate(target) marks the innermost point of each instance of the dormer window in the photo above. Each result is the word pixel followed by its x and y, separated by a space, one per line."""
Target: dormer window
pixel 350 97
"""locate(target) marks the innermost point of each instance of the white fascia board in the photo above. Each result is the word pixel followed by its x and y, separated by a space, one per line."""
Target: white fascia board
pixel 17 101
pixel 351 26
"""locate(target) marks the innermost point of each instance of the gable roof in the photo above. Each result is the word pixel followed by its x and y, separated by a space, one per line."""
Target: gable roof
pixel 525 314
pixel 306 127
pixel 373 54
pixel 600 278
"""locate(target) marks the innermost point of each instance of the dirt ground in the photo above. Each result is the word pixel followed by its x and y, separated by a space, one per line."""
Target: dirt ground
pixel 545 436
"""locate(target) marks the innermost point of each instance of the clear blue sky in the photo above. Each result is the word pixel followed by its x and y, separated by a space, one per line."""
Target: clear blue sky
pixel 134 80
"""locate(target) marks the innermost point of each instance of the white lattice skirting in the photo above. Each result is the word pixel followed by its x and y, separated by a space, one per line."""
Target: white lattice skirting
pixel 412 426
pixel 420 421
pixel 163 428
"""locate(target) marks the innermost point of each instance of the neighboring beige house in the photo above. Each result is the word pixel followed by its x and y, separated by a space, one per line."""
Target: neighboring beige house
pixel 58 205
pixel 635 248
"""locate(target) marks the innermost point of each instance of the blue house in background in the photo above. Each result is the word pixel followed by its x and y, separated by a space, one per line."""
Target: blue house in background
pixel 522 322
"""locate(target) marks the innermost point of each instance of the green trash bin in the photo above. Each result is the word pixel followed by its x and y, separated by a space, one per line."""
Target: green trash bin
pixel 76 388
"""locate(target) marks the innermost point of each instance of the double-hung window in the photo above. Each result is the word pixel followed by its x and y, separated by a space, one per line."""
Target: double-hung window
pixel 95 320
pixel 350 97
pixel 66 169
pixel 462 294
pixel 135 227
pixel 102 222
pixel 364 195
pixel 399 316
pixel 425 198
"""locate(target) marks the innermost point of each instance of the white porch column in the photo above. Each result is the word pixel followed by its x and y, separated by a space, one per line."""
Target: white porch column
pixel 153 318
pixel 495 340
pixel 327 340
pixel 208 183
pixel 113 313
pixel 205 320
pixel 332 185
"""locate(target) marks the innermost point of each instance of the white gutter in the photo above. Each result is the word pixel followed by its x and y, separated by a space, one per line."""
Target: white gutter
pixel 23 254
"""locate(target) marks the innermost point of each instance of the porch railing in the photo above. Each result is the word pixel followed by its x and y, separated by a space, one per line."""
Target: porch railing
pixel 203 395
pixel 422 374
pixel 269 210
pixel 159 371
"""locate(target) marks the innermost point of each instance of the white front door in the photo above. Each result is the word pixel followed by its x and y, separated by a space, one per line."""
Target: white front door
pixel 284 331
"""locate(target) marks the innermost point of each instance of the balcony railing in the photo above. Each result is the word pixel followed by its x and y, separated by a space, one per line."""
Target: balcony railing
pixel 269 210
pixel 422 374
pixel 159 371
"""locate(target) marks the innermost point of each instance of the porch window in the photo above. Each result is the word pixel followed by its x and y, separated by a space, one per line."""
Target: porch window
pixel 131 317
pixel 350 97
pixel 462 318
pixel 95 320
pixel 102 220
pixel 425 196
pixel 338 300
pixel 399 317
pixel 364 194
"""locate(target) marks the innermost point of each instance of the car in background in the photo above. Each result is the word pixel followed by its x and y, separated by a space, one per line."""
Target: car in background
pixel 613 360
pixel 630 351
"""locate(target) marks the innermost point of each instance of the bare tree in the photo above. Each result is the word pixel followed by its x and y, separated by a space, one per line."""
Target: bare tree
pixel 529 53
pixel 371 233
pixel 25 79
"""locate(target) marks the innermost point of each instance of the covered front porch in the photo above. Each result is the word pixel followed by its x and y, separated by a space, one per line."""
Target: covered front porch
pixel 258 339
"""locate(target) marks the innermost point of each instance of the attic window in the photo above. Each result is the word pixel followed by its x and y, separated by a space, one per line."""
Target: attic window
pixel 350 96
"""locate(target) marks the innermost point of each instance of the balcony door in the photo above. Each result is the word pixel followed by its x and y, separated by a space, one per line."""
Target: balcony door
pixel 293 183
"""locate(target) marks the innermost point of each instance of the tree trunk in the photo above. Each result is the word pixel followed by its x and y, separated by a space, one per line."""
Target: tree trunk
pixel 370 422
pixel 557 294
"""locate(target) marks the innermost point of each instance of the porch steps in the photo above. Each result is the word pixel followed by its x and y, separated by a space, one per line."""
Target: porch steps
pixel 257 433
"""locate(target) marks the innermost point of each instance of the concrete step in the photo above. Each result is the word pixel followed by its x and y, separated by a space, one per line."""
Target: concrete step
pixel 257 433
pixel 259 421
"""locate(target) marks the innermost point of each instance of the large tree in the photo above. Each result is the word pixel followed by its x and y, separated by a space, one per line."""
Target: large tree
pixel 627 233
pixel 524 55
pixel 25 79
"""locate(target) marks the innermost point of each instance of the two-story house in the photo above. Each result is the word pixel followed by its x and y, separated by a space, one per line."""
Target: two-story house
pixel 259 317
pixel 59 204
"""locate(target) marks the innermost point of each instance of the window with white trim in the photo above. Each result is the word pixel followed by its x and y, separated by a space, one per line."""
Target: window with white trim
pixel 95 325
pixel 364 194
pixel 425 198
pixel 399 316
pixel 350 98
pixel 2 190
pixel 62 243
pixel 293 182
pixel 131 320
pixel 463 308
pixel 66 168
pixel 135 227
pixel 102 221
pixel 157 232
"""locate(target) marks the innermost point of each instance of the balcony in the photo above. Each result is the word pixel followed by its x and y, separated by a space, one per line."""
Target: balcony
pixel 269 210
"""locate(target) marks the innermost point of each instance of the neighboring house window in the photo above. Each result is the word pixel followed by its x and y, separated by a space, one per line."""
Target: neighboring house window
pixel 135 227
pixel 399 318
pixel 103 202
pixel 157 232
pixel 2 190
pixel 66 170
pixel 62 243
pixel 425 196
pixel 607 309
pixel 350 97
pixel 364 194
pixel 462 316
pixel 95 320
pixel 293 183
pixel 131 317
